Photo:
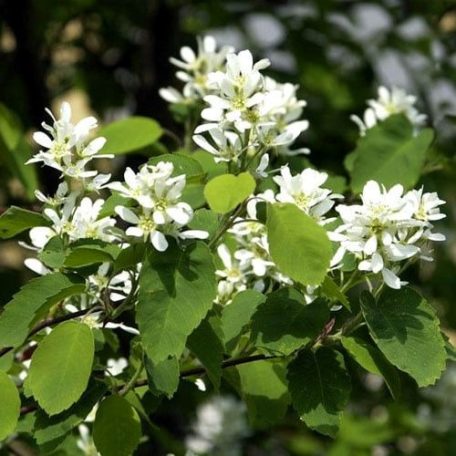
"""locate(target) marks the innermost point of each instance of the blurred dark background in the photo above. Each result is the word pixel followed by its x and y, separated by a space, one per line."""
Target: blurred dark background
pixel 110 57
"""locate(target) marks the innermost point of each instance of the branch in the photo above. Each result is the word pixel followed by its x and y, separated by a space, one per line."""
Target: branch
pixel 186 373
pixel 49 322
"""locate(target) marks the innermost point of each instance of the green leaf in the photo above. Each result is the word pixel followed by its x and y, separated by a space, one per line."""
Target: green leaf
pixel 206 220
pixel 61 366
pixel 291 230
pixel 331 291
pixel 85 256
pixel 283 324
pixel 225 192
pixel 390 154
pixel 163 377
pixel 53 254
pixel 320 388
pixel 183 164
pixel 129 258
pixel 130 135
pixel 15 151
pixel 238 315
pixel 265 391
pixel 10 406
pixel 32 303
pixel 176 290
pixel 117 427
pixel 205 343
pixel 47 429
pixel 114 200
pixel 371 358
pixel 16 220
pixel 406 330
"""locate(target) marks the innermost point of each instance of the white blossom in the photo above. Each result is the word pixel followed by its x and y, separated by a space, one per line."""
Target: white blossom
pixel 388 228
pixel 389 102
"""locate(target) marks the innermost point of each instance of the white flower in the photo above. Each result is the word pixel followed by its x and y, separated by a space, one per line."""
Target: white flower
pixel 116 366
pixel 305 191
pixel 194 70
pixel 238 91
pixel 145 227
pixel 389 102
pixel 86 223
pixel 387 228
pixel 226 145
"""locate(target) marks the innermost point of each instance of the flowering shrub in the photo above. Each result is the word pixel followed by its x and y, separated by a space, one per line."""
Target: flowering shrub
pixel 221 263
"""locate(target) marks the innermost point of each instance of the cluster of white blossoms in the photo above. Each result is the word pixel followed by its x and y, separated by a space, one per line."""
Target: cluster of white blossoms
pixel 220 426
pixel 68 148
pixel 246 114
pixel 389 228
pixel 73 215
pixel 389 102
pixel 250 265
pixel 194 69
pixel 160 211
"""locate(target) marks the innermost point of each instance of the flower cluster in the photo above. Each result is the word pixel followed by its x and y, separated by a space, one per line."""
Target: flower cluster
pixel 250 265
pixel 160 211
pixel 194 70
pixel 67 148
pixel 388 228
pixel 396 101
pixel 247 114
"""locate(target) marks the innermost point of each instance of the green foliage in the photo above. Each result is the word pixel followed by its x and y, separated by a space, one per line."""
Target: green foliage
pixel 16 220
pixel 176 292
pixel 406 330
pixel 205 219
pixel 265 391
pixel 371 358
pixel 205 342
pixel 163 377
pixel 291 230
pixel 48 428
pixel 10 406
pixel 237 316
pixel 225 192
pixel 319 387
pixel 390 153
pixel 284 323
pixel 117 428
pixel 15 151
pixel 33 302
pixel 61 366
pixel 130 135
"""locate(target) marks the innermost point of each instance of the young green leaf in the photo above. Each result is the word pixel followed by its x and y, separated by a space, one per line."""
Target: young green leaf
pixel 406 330
pixel 10 406
pixel 130 135
pixel 117 427
pixel 16 220
pixel 61 366
pixel 176 291
pixel 264 388
pixel 290 230
pixel 33 302
pixel 283 324
pixel 390 153
pixel 238 315
pixel 53 253
pixel 225 192
pixel 205 343
pixel 86 256
pixel 320 388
